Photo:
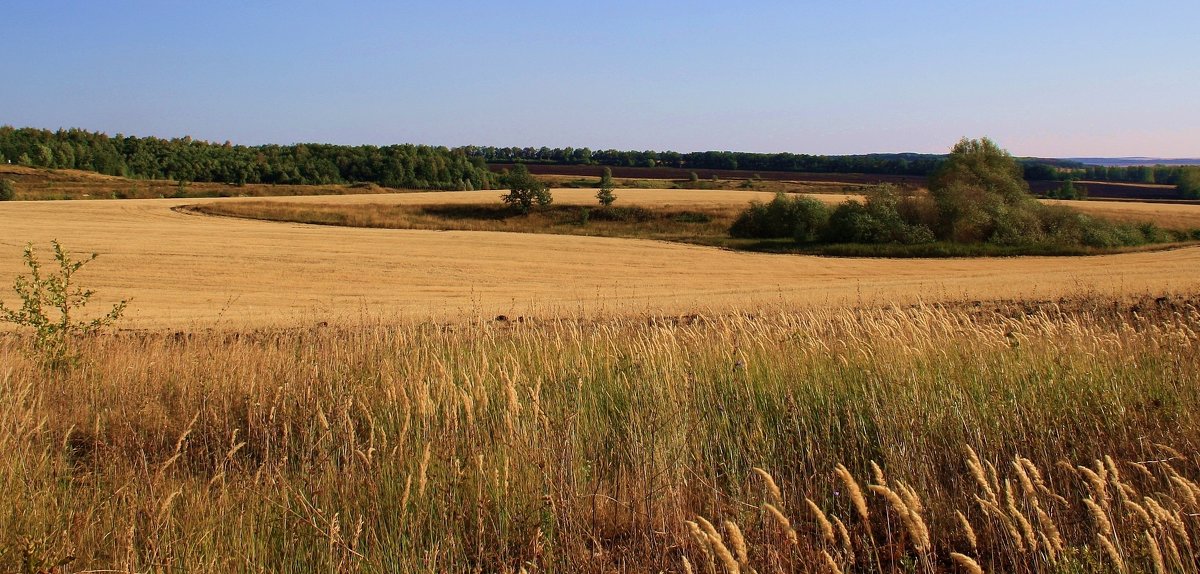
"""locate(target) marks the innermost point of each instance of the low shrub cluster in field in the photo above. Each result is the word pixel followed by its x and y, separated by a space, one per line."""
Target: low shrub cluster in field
pixel 913 218
pixel 561 445
pixel 978 197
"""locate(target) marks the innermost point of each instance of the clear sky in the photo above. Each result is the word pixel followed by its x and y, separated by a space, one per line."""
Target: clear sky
pixel 1050 79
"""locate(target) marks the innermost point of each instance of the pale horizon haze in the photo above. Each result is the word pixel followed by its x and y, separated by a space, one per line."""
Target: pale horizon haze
pixel 1047 79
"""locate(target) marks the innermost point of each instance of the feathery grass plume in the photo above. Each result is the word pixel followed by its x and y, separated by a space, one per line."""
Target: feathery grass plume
pixel 1111 552
pixel 912 522
pixel 1156 556
pixel 976 468
pixel 1098 517
pixel 708 527
pixel 784 524
pixel 1025 482
pixel 704 543
pixel 1051 551
pixel 1050 530
pixel 1031 470
pixel 993 476
pixel 1174 453
pixel 844 535
pixel 1168 518
pixel 1136 510
pixel 1011 505
pixel 992 509
pixel 738 542
pixel 423 472
pixel 1173 552
pixel 687 566
pixel 830 564
pixel 772 488
pixel 968 532
pixel 911 500
pixel 1185 491
pixel 1143 471
pixel 1097 484
pixel 856 495
pixel 722 552
pixel 877 473
pixel 822 522
pixel 966 563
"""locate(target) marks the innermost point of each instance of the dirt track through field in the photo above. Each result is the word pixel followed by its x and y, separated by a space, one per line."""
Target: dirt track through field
pixel 189 271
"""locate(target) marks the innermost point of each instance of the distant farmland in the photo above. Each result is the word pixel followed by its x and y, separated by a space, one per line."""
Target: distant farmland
pixel 1098 189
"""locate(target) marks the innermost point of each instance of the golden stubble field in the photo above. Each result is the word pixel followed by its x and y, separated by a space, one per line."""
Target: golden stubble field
pixel 189 271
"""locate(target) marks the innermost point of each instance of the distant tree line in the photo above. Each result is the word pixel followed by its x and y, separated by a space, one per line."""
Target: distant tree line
pixel 1163 174
pixel 185 159
pixel 429 167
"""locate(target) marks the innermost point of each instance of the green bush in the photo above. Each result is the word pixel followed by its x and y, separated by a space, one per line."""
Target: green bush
pixel 879 220
pixel 49 304
pixel 6 190
pixel 801 218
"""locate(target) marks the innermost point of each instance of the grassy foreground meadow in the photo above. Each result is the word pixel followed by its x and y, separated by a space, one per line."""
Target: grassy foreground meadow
pixel 1017 437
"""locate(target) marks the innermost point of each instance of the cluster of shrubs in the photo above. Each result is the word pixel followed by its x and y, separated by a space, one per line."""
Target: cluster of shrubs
pixel 888 216
pixel 978 197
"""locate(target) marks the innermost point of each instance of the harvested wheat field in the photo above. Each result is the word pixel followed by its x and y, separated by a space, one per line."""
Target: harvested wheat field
pixel 184 271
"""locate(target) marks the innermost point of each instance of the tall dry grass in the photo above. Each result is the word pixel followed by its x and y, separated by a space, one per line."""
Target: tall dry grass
pixel 1011 439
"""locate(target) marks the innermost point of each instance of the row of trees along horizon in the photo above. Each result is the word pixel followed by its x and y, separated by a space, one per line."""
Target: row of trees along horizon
pixel 460 168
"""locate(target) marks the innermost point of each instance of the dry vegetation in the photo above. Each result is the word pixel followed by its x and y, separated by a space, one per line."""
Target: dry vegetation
pixel 1063 434
pixel 194 272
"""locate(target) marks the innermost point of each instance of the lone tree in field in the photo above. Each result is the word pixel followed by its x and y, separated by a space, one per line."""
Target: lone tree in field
pixel 981 195
pixel 524 190
pixel 605 195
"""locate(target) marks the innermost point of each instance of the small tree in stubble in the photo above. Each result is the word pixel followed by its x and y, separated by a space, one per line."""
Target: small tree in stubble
pixel 524 190
pixel 48 302
pixel 605 195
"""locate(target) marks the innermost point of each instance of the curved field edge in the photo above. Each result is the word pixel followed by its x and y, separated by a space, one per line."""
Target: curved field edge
pixel 705 224
pixel 588 446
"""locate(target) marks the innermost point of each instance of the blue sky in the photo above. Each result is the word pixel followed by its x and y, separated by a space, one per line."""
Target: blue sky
pixel 1050 79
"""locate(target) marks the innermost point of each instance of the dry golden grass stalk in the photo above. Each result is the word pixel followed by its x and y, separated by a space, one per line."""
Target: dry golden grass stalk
pixel 844 536
pixel 997 513
pixel 1050 530
pixel 966 563
pixel 704 543
pixel 1156 556
pixel 912 522
pixel 1136 510
pixel 855 492
pixel 1098 517
pixel 772 488
pixel 687 566
pixel 830 564
pixel 877 473
pixel 1025 482
pixel 722 552
pixel 423 471
pixel 1111 552
pixel 782 521
pixel 977 471
pixel 967 531
pixel 1096 483
pixel 1019 517
pixel 738 542
pixel 708 527
pixel 1186 491
pixel 823 524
